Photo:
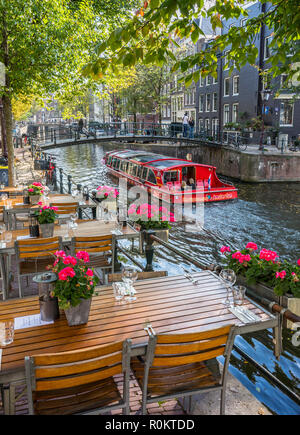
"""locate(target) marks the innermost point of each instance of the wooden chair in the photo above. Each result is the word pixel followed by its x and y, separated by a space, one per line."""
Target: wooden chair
pixel 33 255
pixel 65 209
pixel 114 277
pixel 174 365
pixel 78 382
pixel 100 248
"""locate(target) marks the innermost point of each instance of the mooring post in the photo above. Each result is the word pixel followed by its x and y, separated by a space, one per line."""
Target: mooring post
pixel 69 184
pixel 54 177
pixel 149 249
pixel 61 180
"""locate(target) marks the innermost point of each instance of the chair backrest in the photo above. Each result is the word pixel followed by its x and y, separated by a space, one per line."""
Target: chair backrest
pixel 67 370
pixel 114 277
pixel 92 245
pixel 65 207
pixel 37 248
pixel 180 349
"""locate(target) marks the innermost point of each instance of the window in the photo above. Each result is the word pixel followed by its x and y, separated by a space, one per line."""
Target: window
pixel 134 170
pixel 226 114
pixel 118 164
pixel 139 171
pixel 267 48
pixel 209 80
pixel 215 80
pixel 235 110
pixel 214 126
pixel 226 86
pixel 284 82
pixel 286 113
pixel 201 103
pixel 202 81
pixel 201 124
pixel 170 176
pixel 208 106
pixel 151 177
pixel 226 60
pixel 236 85
pixel 215 101
pixel 243 22
pixel 109 160
pixel 207 125
pixel 144 173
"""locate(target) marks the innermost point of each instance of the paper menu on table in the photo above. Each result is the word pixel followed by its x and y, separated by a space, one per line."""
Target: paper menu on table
pixel 30 321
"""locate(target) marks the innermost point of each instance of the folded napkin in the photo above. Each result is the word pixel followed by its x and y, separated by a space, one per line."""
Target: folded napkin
pixel 245 315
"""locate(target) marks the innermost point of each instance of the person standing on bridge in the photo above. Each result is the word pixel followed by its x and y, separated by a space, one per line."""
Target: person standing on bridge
pixel 191 127
pixel 185 123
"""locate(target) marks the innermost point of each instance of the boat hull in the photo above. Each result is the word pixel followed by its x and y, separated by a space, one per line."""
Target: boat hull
pixel 179 197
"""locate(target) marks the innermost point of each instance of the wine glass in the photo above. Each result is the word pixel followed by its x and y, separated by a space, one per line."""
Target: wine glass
pixel 228 277
pixel 73 218
pixel 129 275
pixel 75 193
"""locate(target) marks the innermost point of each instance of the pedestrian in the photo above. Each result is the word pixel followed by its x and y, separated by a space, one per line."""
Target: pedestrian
pixel 185 123
pixel 80 125
pixel 191 127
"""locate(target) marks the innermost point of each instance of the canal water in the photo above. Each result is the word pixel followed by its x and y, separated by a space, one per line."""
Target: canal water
pixel 267 214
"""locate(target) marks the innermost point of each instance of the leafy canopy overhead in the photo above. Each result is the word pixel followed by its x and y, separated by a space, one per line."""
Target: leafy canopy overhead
pixel 159 25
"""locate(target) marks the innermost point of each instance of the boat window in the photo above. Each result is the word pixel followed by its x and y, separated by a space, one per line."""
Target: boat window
pixel 129 169
pixel 109 160
pixel 124 166
pixel 118 164
pixel 144 173
pixel 170 176
pixel 113 163
pixel 134 170
pixel 139 171
pixel 151 177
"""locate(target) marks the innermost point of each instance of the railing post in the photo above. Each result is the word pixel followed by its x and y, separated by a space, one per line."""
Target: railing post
pixel 61 180
pixel 54 177
pixel 70 184
pixel 54 137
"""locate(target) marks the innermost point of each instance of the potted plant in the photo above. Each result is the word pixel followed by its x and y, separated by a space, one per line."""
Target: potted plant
pixel 75 286
pixel 46 217
pixel 265 273
pixel 152 217
pixel 35 190
pixel 106 192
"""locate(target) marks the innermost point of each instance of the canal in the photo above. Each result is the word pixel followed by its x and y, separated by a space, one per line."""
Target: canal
pixel 267 214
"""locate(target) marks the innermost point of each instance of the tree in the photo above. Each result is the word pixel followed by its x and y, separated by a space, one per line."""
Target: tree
pixel 44 46
pixel 152 32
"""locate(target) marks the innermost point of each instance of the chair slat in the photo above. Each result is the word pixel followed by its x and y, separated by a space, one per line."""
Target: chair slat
pixel 72 369
pixel 77 380
pixel 194 336
pixel 190 347
pixel 74 356
pixel 38 241
pixel 177 360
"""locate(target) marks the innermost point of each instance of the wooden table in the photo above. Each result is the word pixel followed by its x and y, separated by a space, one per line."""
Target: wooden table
pixel 172 304
pixel 18 207
pixel 84 228
pixel 12 190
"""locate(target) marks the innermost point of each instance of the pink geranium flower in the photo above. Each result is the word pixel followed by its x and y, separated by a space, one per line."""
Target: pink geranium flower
pixel 298 262
pixel 89 272
pixel 83 255
pixel 281 274
pixel 225 249
pixel 251 246
pixel 70 260
pixel 65 273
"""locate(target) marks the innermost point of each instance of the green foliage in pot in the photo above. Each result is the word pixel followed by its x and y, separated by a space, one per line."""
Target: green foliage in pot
pixel 46 215
pixel 264 267
pixel 76 280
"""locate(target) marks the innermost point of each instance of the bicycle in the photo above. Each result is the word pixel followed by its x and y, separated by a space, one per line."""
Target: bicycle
pixel 237 142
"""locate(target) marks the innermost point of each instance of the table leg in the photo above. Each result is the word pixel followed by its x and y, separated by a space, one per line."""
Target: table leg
pixel 4 276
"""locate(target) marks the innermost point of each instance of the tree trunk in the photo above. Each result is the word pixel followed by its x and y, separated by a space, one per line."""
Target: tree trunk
pixel 10 147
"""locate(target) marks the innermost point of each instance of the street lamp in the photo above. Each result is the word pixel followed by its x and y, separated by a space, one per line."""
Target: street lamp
pixel 265 95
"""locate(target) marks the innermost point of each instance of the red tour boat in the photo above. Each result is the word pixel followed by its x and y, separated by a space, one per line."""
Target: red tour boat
pixel 170 178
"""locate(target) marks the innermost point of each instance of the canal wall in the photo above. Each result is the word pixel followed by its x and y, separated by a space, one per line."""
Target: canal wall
pixel 246 166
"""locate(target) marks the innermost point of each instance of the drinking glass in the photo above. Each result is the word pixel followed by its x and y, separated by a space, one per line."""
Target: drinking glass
pixel 73 218
pixel 129 275
pixel 117 291
pixel 8 236
pixel 7 331
pixel 228 277
pixel 238 292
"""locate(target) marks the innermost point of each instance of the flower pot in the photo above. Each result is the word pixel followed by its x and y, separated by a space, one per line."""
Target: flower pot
pixel 79 315
pixel 49 309
pixel 34 199
pixel 46 230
